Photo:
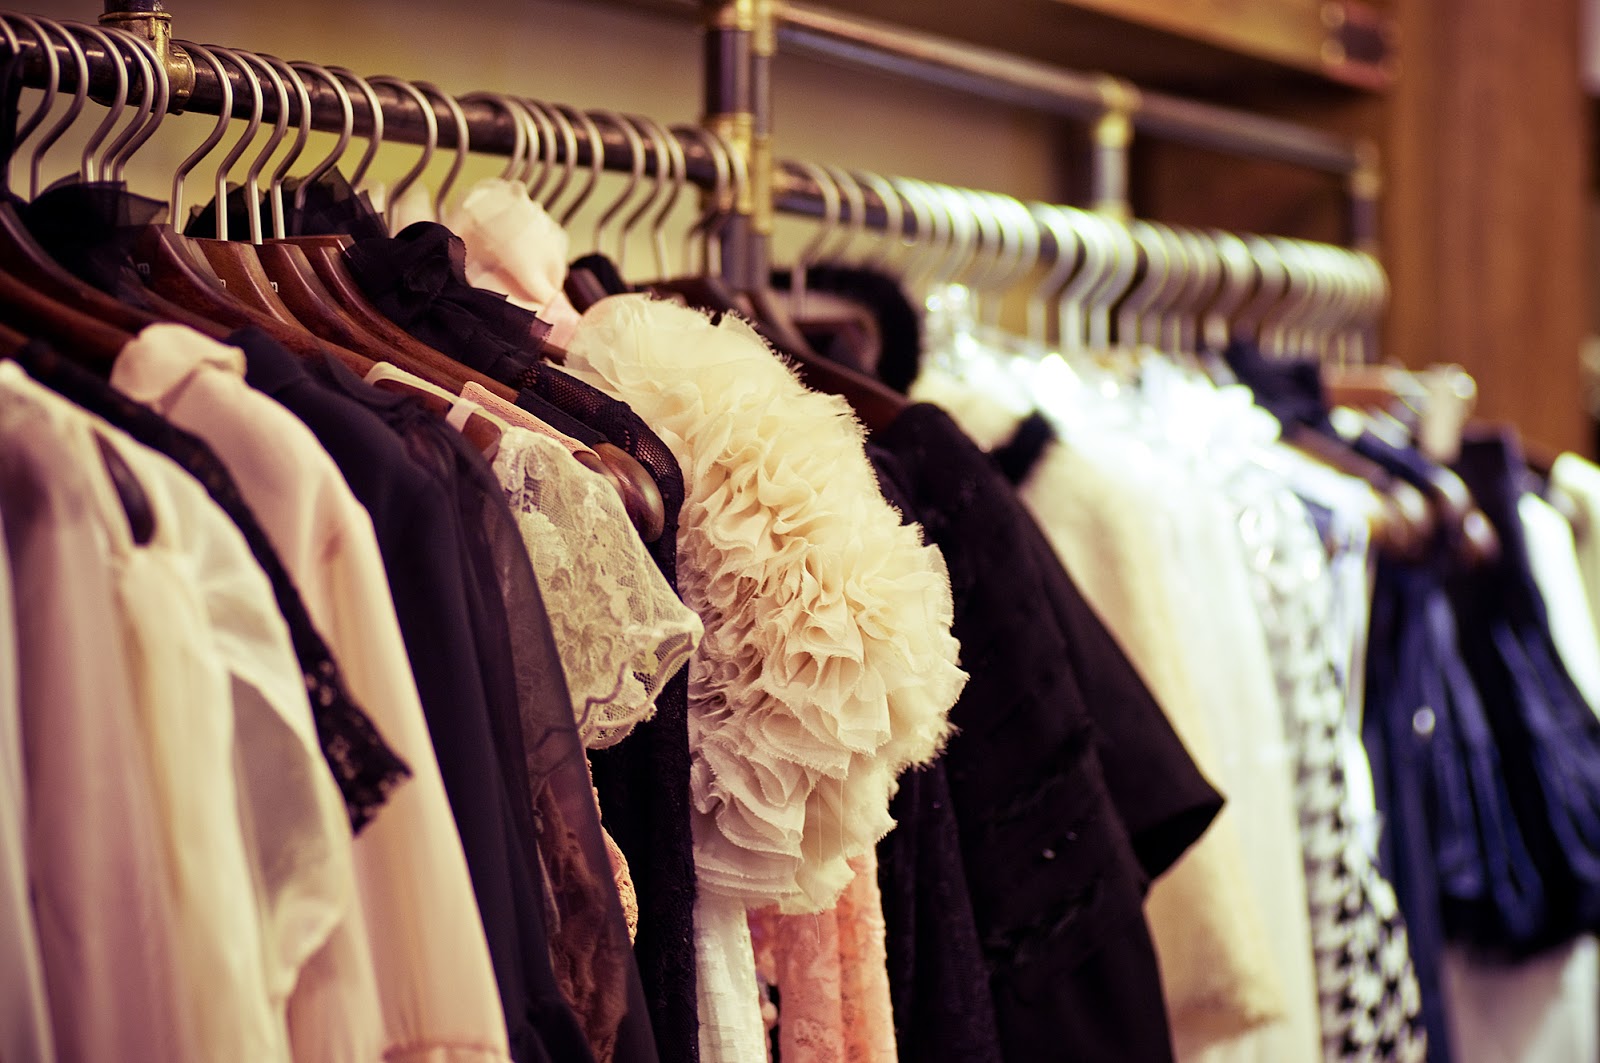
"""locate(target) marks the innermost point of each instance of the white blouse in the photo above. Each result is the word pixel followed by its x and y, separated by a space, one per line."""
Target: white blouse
pixel 416 927
pixel 253 846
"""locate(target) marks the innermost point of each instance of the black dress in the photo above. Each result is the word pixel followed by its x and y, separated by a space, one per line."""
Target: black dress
pixel 1068 786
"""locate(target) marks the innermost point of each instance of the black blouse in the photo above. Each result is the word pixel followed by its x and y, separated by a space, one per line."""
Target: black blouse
pixel 444 578
pixel 1069 787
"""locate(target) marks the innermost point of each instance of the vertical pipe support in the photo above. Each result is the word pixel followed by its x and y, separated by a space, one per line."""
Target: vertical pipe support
pixel 1365 187
pixel 764 45
pixel 1112 136
pixel 730 114
pixel 149 21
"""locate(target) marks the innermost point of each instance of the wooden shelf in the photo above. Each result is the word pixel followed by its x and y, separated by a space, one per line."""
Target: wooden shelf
pixel 1344 41
pixel 1203 48
pixel 1208 49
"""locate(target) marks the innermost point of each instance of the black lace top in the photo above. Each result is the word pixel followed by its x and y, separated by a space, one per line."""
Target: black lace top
pixel 644 781
pixel 494 696
pixel 365 768
pixel 1068 786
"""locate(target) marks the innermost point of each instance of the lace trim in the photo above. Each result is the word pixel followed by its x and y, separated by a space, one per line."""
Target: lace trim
pixel 621 630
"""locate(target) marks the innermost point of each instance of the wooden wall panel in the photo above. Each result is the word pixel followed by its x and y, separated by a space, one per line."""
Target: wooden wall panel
pixel 1486 229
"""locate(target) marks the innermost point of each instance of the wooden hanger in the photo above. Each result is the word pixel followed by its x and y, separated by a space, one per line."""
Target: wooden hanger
pixel 1406 525
pixel 67 328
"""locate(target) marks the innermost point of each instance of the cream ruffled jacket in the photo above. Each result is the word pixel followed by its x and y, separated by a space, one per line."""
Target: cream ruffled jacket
pixel 827 666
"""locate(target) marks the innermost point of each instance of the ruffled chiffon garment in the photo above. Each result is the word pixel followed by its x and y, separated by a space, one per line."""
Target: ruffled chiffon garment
pixel 827 666
pixel 516 248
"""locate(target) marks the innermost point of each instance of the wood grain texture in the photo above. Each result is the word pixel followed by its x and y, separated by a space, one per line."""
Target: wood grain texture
pixel 1486 228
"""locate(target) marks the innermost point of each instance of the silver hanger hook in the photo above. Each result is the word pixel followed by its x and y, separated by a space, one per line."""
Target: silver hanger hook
pixel 1272 284
pixel 927 235
pixel 541 147
pixel 829 190
pixel 146 84
pixel 739 189
pixel 1277 325
pixel 1113 285
pixel 1312 327
pixel 853 201
pixel 458 118
pixel 636 160
pixel 923 269
pixel 374 109
pixel 24 128
pixel 1206 268
pixel 89 165
pixel 1026 240
pixel 680 176
pixel 1341 330
pixel 430 146
pixel 302 95
pixel 347 125
pixel 1361 331
pixel 80 62
pixel 206 146
pixel 1153 323
pixel 1157 270
pixel 220 180
pixel 1068 250
pixel 1238 279
pixel 53 72
pixel 987 246
pixel 549 138
pixel 280 128
pixel 158 81
pixel 723 168
pixel 894 218
pixel 565 152
pixel 660 143
pixel 1187 277
pixel 520 122
pixel 988 255
pixel 965 229
pixel 597 160
pixel 1073 302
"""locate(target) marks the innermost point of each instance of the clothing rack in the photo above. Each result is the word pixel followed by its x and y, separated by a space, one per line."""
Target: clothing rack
pixel 743 36
pixel 731 159
pixel 1115 108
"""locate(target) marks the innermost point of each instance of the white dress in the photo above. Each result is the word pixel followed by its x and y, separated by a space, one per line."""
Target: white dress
pixel 827 665
pixel 416 930
pixel 517 249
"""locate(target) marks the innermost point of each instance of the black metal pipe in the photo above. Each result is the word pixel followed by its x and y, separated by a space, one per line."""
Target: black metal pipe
pixel 729 110
pixel 490 128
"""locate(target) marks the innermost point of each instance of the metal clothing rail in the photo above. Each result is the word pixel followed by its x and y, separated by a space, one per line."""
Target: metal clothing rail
pixel 1116 107
pixel 491 130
